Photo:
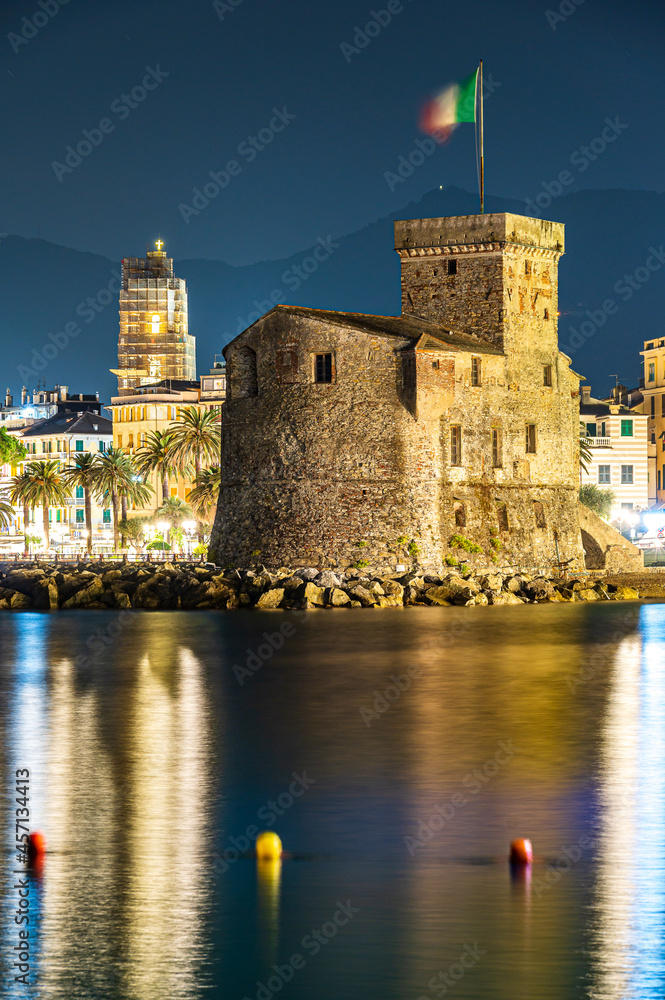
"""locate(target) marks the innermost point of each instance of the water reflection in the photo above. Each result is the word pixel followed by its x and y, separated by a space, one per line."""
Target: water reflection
pixel 630 887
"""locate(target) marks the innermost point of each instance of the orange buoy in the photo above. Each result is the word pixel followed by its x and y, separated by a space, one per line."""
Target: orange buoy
pixel 36 846
pixel 521 851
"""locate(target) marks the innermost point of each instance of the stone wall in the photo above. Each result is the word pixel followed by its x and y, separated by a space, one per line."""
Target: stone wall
pixel 605 548
pixel 360 470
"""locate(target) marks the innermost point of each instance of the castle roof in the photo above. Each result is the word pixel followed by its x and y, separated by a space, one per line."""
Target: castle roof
pixel 424 334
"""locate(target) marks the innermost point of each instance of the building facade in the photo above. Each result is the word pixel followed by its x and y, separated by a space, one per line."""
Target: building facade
pixel 452 429
pixel 154 408
pixel 619 438
pixel 154 342
pixel 61 438
pixel 653 391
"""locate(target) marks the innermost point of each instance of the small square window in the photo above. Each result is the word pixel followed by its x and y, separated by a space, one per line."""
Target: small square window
pixel 531 439
pixel 626 428
pixel 435 365
pixel 452 266
pixel 626 475
pixel 604 474
pixel 79 445
pixel 547 374
pixel 323 372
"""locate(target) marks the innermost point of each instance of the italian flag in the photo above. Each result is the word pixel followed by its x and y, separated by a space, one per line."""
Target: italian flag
pixel 455 104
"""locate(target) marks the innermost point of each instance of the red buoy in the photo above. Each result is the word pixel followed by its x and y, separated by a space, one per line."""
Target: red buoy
pixel 36 846
pixel 521 851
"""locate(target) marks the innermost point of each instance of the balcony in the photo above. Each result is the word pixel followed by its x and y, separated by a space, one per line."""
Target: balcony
pixel 598 442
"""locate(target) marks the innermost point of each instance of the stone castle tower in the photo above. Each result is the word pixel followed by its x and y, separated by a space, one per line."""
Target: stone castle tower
pixel 380 439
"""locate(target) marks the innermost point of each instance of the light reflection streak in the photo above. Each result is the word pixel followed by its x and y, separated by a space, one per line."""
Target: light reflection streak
pixel 630 889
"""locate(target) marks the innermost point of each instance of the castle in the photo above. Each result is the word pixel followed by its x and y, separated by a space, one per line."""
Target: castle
pixel 448 433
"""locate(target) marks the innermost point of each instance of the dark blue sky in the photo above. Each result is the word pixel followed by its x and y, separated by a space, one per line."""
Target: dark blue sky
pixel 354 115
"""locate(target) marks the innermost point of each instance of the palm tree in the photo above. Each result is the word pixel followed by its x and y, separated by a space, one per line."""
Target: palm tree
pixel 17 495
pixel 113 477
pixel 157 456
pixel 83 474
pixel 585 448
pixel 174 511
pixel 6 512
pixel 196 438
pixel 203 497
pixel 41 484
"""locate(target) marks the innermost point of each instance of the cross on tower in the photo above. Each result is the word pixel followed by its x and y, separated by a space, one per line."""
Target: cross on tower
pixel 159 244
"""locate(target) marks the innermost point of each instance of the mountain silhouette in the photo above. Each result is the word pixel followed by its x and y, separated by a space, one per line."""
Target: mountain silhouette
pixel 609 235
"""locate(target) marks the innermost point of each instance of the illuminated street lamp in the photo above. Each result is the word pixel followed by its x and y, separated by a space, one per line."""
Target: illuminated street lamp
pixel 189 527
pixel 163 526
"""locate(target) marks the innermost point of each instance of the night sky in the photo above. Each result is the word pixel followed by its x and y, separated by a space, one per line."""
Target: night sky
pixel 222 72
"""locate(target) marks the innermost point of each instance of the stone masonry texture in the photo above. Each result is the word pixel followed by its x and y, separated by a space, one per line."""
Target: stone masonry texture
pixel 450 429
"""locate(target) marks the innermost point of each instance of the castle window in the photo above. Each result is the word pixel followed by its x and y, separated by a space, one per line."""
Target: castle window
pixel 502 515
pixel 475 371
pixel 452 266
pixel 531 439
pixel 527 267
pixel 546 314
pixel 323 369
pixel 435 366
pixel 547 374
pixel 539 514
pixel 247 372
pixel 497 449
pixel 460 515
pixel 456 445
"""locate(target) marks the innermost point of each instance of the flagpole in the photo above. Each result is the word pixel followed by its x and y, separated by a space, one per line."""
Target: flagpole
pixel 482 148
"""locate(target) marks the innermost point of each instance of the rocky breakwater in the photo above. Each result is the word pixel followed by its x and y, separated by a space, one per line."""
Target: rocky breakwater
pixel 175 586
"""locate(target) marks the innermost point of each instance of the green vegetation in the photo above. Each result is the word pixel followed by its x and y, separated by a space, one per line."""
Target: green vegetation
pixel 255 554
pixel 451 561
pixel 413 550
pixel 40 485
pixel 195 438
pixel 460 542
pixel 12 450
pixel 600 501
pixel 496 543
pixel 360 564
pixel 585 448
pixel 402 540
pixel 361 545
pixel 203 497
pixel 494 530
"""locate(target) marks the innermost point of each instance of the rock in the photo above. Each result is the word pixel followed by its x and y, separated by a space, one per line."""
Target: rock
pixel 539 589
pixel 310 595
pixel 290 583
pixel 336 598
pixel 25 581
pixel 506 597
pixel 491 582
pixel 121 600
pixel 45 594
pixel 363 595
pixel 393 589
pixel 19 601
pixel 588 595
pixel 436 595
pixel 356 604
pixel 110 575
pixel 454 589
pixel 327 579
pixel 567 594
pixel 145 597
pixel 626 594
pixel 86 596
pixel 388 602
pixel 271 598
pixel 374 588
pixel 307 574
pixel 481 599
pixel 513 584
